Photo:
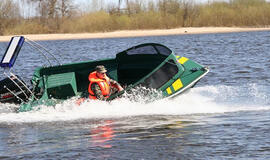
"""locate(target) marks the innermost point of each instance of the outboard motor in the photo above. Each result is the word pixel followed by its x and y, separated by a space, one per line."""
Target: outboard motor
pixel 12 88
pixel 8 88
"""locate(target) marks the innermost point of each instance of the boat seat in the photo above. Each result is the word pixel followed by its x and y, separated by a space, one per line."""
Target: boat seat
pixel 61 86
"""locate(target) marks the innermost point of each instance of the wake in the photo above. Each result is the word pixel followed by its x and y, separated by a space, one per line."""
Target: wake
pixel 199 100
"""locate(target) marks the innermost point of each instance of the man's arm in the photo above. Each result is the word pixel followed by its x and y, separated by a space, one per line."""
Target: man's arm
pixel 116 85
pixel 113 82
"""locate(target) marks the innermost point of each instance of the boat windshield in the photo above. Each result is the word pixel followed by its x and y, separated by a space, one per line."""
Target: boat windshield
pixel 149 49
pixel 162 75
pixel 142 50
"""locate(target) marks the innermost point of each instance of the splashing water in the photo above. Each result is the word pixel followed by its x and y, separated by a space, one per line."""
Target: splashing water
pixel 207 99
pixel 142 95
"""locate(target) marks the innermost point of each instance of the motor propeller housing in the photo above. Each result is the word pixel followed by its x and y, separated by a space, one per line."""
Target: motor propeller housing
pixel 7 87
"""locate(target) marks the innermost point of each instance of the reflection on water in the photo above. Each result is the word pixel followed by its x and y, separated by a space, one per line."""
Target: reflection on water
pixel 102 135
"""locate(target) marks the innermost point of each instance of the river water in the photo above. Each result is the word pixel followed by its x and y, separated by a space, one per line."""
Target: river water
pixel 225 116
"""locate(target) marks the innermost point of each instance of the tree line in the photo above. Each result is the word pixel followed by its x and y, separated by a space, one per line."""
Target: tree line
pixel 64 16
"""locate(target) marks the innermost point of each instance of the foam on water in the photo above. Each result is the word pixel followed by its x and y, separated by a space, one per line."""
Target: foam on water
pixel 206 99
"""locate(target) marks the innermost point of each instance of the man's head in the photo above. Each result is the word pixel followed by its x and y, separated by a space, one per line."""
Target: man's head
pixel 101 71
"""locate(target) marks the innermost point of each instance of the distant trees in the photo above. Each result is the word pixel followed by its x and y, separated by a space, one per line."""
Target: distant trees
pixel 52 13
pixel 53 8
pixel 9 14
pixel 62 16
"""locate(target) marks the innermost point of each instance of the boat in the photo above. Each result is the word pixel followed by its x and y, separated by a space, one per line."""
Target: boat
pixel 150 65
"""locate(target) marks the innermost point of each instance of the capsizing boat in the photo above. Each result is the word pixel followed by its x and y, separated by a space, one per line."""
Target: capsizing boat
pixel 151 65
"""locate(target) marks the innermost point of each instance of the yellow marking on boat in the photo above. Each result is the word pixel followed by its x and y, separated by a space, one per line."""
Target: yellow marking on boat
pixel 177 57
pixel 183 60
pixel 169 91
pixel 177 84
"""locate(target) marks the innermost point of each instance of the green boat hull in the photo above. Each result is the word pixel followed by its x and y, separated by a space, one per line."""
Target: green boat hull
pixel 167 73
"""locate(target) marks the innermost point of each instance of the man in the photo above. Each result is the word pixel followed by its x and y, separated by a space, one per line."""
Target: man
pixel 101 86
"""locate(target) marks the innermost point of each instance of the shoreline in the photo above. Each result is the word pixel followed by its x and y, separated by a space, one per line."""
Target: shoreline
pixel 136 33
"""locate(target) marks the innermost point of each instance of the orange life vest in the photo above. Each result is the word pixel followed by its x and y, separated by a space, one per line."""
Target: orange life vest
pixel 104 85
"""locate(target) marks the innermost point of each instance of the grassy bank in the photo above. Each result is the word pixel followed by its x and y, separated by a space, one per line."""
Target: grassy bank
pixel 165 14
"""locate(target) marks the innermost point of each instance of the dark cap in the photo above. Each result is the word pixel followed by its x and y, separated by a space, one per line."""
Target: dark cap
pixel 101 69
